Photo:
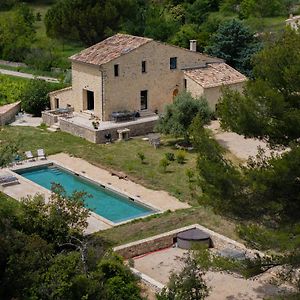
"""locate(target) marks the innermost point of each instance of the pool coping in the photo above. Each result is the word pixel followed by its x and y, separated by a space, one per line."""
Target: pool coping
pixel 38 164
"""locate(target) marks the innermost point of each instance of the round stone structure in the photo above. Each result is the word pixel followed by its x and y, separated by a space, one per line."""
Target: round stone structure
pixel 186 239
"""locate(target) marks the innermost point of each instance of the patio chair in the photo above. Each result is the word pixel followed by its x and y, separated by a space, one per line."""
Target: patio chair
pixel 8 179
pixel 41 154
pixel 29 156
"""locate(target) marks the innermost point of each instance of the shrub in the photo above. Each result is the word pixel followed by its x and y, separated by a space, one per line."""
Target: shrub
pixel 170 156
pixel 163 163
pixel 35 97
pixel 189 174
pixel 141 156
pixel 180 156
pixel 11 89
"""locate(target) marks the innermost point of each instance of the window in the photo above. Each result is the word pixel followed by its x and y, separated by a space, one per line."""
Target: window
pixel 143 66
pixel 144 100
pixel 116 69
pixel 185 83
pixel 56 103
pixel 173 63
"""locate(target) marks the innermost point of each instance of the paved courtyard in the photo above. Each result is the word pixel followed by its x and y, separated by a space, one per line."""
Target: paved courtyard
pixel 26 120
pixel 160 264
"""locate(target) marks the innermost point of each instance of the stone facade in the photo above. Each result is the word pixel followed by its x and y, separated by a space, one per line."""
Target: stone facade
pixel 8 113
pixel 62 98
pixel 111 93
pixel 212 94
pixel 161 82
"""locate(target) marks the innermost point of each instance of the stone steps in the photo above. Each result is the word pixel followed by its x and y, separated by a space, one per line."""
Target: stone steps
pixel 53 128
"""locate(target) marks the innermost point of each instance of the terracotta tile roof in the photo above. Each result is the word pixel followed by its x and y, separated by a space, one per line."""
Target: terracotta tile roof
pixel 110 49
pixel 215 74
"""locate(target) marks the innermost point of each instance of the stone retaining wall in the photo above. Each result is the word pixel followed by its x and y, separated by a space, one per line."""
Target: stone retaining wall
pixel 166 240
pixel 78 130
pixel 98 136
pixel 8 113
pixel 49 118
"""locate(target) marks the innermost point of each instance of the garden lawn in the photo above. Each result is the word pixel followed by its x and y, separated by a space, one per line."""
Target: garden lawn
pixel 158 224
pixel 121 156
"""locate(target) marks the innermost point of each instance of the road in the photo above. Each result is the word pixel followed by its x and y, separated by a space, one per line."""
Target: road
pixel 29 76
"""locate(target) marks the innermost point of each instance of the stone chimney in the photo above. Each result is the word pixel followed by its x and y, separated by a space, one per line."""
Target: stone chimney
pixel 193 45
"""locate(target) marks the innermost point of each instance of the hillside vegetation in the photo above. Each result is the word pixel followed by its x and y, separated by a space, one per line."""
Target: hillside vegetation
pixel 44 33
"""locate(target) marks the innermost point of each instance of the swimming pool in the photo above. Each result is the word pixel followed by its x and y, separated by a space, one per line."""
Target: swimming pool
pixel 104 202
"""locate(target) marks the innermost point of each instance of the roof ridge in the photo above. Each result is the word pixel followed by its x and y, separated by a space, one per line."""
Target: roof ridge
pixel 110 48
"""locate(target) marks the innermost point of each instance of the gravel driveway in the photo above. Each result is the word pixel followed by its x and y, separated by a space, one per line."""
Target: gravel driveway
pixel 240 146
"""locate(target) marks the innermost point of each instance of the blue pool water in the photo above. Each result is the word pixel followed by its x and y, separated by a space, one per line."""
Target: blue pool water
pixel 105 203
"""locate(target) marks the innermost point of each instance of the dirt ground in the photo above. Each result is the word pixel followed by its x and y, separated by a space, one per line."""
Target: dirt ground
pixel 240 146
pixel 160 264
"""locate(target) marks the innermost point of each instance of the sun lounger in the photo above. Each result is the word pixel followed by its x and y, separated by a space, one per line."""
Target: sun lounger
pixel 29 156
pixel 7 179
pixel 41 154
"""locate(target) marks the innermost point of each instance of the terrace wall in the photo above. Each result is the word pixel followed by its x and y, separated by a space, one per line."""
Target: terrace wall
pixel 49 118
pixel 98 136
pixel 8 113
pixel 166 240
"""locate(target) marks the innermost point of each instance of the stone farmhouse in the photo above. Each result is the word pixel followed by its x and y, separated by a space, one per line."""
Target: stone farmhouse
pixel 137 74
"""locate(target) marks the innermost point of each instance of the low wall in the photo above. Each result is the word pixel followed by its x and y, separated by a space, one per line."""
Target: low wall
pixel 166 240
pixel 78 130
pixel 49 118
pixel 8 113
pixel 98 136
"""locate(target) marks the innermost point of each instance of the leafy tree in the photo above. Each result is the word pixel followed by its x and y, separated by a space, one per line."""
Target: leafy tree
pixel 186 33
pixel 59 220
pixel 17 33
pixel 8 151
pixel 7 4
pixel 88 21
pixel 179 115
pixel 44 254
pixel 198 11
pixel 220 181
pixel 34 98
pixel 187 285
pixel 262 8
pixel 235 43
pixel 269 106
pixel 159 25
pixel 120 283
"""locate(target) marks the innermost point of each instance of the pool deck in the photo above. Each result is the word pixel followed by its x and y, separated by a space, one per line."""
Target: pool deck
pixel 159 200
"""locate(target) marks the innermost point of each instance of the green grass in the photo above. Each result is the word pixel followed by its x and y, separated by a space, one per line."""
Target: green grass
pixel 266 24
pixel 143 228
pixel 122 156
